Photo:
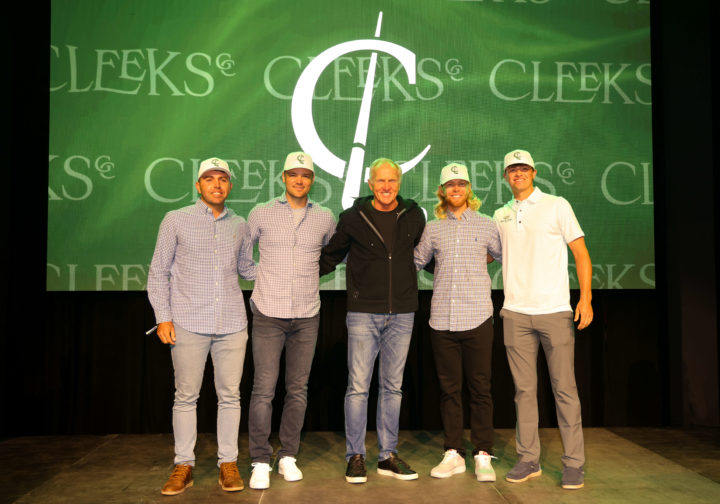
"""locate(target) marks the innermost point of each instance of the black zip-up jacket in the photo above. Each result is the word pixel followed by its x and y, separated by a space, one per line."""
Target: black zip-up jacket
pixel 378 281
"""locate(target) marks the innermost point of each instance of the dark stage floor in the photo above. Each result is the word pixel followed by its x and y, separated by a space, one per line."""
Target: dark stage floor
pixel 642 465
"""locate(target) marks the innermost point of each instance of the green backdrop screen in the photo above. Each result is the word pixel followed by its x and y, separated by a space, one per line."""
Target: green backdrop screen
pixel 142 91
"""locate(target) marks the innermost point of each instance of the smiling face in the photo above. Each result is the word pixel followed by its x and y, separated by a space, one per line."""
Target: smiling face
pixel 385 186
pixel 214 187
pixel 520 177
pixel 456 194
pixel 298 182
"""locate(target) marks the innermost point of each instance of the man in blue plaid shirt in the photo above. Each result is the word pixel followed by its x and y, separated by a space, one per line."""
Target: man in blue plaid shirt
pixel 462 241
pixel 290 231
pixel 199 308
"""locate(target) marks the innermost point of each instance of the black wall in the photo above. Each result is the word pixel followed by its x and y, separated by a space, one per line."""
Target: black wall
pixel 81 363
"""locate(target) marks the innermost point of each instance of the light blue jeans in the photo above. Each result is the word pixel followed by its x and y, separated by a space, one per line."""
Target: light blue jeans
pixel 189 354
pixel 370 334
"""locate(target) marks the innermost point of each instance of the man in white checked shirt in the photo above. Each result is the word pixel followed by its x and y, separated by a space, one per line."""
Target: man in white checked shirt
pixel 193 288
pixel 462 241
pixel 290 230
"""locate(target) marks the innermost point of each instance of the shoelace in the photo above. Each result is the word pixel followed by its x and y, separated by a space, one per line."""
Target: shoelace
pixel 230 470
pixel 450 454
pixel 180 472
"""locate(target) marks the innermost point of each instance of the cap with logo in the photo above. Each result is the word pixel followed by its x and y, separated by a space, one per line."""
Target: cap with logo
pixel 298 160
pixel 454 171
pixel 214 163
pixel 519 156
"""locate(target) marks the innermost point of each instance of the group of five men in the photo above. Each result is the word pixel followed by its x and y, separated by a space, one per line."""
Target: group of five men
pixel 192 285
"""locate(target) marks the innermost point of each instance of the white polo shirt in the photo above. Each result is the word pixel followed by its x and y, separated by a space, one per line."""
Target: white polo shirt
pixel 534 234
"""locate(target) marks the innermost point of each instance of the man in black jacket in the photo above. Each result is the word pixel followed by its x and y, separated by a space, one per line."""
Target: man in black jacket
pixel 378 234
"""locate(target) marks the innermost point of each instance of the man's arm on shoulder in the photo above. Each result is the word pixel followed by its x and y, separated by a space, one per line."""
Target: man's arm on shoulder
pixel 245 264
pixel 336 249
pixel 331 227
pixel 494 246
pixel 583 310
pixel 424 250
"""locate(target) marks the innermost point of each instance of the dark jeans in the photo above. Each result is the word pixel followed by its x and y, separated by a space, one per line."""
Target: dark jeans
pixel 269 336
pixel 469 351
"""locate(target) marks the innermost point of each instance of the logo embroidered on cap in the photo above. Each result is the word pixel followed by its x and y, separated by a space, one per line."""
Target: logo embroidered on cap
pixel 517 155
pixel 301 159
pixel 454 169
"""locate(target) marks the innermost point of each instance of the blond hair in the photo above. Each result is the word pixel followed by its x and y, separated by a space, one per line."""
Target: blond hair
pixel 473 202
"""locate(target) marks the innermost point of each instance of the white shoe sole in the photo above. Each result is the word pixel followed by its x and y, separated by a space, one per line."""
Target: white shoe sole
pixel 404 477
pixel 457 470
pixel 356 479
pixel 288 477
pixel 486 477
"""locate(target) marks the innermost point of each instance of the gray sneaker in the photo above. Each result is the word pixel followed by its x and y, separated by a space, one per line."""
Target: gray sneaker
pixel 523 471
pixel 573 478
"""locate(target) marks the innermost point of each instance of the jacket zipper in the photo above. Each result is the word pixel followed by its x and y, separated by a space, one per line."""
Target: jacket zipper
pixel 375 230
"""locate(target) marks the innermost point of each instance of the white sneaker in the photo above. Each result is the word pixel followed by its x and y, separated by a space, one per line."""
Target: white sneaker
pixel 260 476
pixel 483 467
pixel 452 463
pixel 288 469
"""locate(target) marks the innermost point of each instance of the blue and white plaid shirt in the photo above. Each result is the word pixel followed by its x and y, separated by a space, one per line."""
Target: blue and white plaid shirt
pixel 288 274
pixel 461 287
pixel 193 277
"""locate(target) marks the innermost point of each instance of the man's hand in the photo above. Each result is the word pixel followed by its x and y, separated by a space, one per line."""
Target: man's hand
pixel 583 310
pixel 166 332
pixel 584 313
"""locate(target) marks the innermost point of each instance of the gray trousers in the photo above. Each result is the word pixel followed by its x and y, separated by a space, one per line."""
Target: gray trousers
pixel 556 332
pixel 269 336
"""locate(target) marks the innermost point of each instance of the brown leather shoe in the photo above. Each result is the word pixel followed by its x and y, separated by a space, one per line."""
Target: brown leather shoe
pixel 230 479
pixel 179 480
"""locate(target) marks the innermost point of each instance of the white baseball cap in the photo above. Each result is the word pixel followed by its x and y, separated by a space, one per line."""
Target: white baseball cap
pixel 214 164
pixel 519 156
pixel 298 160
pixel 454 171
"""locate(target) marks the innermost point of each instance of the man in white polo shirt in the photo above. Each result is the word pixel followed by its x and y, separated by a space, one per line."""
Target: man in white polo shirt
pixel 536 230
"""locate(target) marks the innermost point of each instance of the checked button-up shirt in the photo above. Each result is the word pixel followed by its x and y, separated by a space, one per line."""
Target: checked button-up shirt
pixel 193 277
pixel 461 287
pixel 288 280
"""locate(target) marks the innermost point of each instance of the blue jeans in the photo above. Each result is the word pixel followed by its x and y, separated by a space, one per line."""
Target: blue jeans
pixel 189 354
pixel 369 334
pixel 269 336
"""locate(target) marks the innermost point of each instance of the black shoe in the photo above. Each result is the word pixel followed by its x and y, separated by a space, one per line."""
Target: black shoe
pixel 394 466
pixel 356 472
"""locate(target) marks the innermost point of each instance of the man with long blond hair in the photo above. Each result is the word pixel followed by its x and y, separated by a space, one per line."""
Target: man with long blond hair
pixel 462 241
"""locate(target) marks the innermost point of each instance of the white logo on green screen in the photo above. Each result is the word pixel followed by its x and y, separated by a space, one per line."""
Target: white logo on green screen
pixel 302 118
